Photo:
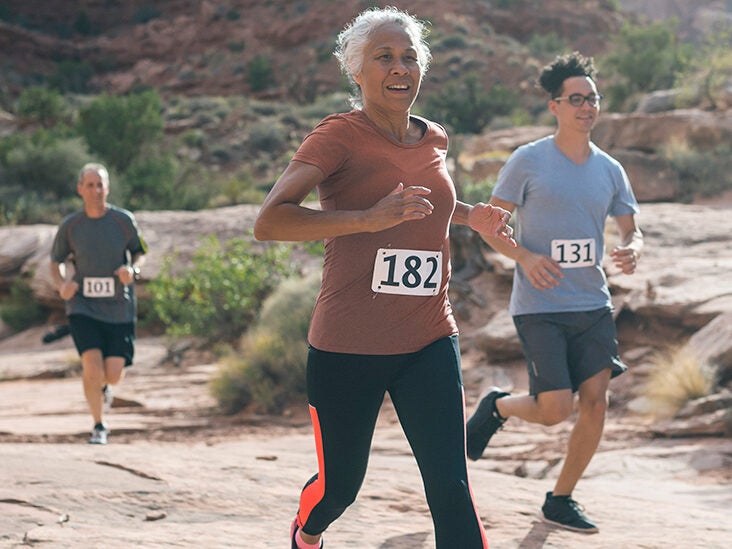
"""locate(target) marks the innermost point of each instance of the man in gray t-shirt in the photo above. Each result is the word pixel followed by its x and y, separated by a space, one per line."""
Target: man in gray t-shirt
pixel 95 258
pixel 562 189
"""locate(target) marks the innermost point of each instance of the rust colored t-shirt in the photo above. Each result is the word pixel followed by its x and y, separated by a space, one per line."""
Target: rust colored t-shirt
pixel 362 164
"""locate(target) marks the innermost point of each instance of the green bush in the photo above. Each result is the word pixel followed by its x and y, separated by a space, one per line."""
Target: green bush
pixel 260 74
pixel 220 294
pixel 478 191
pixel 21 310
pixel 701 173
pixel 118 129
pixel 41 105
pixel 467 107
pixel 706 78
pixel 149 184
pixel 72 76
pixel 267 136
pixel 47 169
pixel 644 58
pixel 546 45
pixel 270 371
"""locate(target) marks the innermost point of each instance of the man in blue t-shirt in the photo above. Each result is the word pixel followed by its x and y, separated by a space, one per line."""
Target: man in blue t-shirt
pixel 561 189
pixel 95 258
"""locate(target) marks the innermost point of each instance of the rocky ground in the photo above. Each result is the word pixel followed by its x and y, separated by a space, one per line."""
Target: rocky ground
pixel 177 474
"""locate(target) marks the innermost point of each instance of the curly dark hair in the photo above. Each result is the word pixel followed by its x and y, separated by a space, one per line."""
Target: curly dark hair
pixel 565 66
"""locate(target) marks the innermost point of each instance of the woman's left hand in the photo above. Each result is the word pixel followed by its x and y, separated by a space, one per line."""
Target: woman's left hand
pixel 491 221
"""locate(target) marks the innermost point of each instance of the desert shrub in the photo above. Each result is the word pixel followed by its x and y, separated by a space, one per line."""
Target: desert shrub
pixel 240 188
pixel 706 78
pixel 467 107
pixel 546 45
pixel 145 13
pixel 39 104
pixel 269 371
pixel 677 376
pixel 701 173
pixel 268 137
pixel 21 310
pixel 260 74
pixel 477 191
pixel 149 184
pixel 643 58
pixel 118 128
pixel 72 76
pixel 46 168
pixel 220 294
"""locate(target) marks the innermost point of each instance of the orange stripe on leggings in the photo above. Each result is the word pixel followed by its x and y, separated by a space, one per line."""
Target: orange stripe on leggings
pixel 313 493
pixel 470 486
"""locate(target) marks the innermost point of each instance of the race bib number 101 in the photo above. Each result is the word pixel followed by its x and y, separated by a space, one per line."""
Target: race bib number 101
pixel 407 272
pixel 574 253
pixel 98 286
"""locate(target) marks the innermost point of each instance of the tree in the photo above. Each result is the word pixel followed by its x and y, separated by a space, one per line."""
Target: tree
pixel 645 58
pixel 119 128
pixel 467 107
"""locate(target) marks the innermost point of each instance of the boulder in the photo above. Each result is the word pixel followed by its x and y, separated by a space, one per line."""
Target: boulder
pixel 713 345
pixel 694 128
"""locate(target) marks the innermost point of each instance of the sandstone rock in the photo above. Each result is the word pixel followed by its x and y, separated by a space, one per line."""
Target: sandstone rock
pixel 498 338
pixel 637 140
pixel 658 101
pixel 651 175
pixel 713 345
pixel 713 424
pixel 706 405
pixel 697 129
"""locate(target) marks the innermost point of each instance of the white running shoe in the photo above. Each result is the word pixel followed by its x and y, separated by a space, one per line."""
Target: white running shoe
pixel 108 397
pixel 99 434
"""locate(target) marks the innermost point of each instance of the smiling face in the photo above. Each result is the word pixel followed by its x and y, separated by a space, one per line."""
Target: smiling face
pixel 391 72
pixel 576 119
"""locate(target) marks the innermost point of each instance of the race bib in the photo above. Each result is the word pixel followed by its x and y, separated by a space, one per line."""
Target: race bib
pixel 572 254
pixel 407 272
pixel 101 286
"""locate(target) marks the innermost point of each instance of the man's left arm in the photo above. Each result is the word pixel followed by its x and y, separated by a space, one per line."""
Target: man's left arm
pixel 625 255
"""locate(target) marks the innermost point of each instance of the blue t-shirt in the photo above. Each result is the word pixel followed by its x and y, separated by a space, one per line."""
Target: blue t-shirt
pixel 98 246
pixel 561 209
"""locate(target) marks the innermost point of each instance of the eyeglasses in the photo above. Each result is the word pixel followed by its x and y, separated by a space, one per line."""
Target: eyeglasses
pixel 577 99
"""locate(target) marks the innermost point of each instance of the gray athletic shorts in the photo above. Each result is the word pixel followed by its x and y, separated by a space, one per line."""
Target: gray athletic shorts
pixel 564 349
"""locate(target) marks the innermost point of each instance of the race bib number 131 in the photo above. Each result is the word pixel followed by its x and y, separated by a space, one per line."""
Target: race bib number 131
pixel 574 253
pixel 407 272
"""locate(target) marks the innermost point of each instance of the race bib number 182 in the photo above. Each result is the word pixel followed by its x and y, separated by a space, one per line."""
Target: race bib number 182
pixel 407 272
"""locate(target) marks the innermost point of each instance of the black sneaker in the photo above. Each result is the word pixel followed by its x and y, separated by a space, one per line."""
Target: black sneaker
pixel 99 434
pixel 567 513
pixel 484 423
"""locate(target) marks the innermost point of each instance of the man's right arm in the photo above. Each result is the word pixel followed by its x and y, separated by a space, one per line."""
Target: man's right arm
pixel 542 271
pixel 65 285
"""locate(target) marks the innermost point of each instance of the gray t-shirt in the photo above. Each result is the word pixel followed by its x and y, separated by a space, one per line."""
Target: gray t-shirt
pixel 97 247
pixel 561 209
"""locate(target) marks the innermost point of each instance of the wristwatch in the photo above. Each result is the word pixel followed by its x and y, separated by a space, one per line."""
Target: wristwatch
pixel 136 272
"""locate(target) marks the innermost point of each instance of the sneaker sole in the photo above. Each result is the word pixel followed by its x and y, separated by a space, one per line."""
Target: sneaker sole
pixel 571 528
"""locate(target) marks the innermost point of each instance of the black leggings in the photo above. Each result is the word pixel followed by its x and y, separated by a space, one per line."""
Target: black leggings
pixel 346 391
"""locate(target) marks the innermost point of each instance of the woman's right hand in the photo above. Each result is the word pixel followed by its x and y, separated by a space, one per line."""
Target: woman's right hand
pixel 400 205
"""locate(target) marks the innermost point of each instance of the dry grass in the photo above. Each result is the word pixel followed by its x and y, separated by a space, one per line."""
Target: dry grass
pixel 677 377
